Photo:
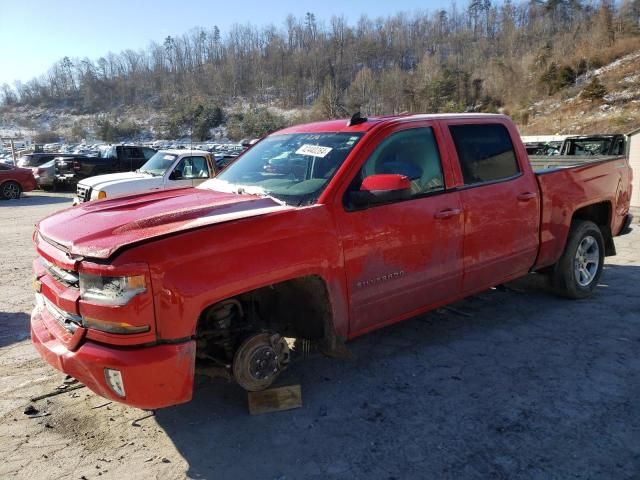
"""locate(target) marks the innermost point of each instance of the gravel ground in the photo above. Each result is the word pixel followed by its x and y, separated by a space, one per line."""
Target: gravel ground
pixel 508 384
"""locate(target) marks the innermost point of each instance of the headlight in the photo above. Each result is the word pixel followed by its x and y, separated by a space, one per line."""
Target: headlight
pixel 111 290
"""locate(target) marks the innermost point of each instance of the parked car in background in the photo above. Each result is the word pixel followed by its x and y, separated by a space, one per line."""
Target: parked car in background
pixel 112 158
pixel 165 170
pixel 32 160
pixel 45 174
pixel 15 180
pixel 64 173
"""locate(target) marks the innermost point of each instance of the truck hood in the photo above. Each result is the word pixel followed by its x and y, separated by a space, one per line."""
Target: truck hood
pixel 102 182
pixel 98 229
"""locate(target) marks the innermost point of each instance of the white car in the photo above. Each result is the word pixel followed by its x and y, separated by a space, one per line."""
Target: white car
pixel 166 169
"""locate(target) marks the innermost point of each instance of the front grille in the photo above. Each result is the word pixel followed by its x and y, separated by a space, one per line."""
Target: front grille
pixel 84 193
pixel 66 277
pixel 68 320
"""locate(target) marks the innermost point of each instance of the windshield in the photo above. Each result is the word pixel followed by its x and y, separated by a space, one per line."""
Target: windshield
pixel 158 164
pixel 293 168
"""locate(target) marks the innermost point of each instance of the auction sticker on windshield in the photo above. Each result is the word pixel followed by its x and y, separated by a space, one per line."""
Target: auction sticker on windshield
pixel 314 150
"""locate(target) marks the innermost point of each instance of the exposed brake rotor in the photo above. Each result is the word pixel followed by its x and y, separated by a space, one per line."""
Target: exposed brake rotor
pixel 259 360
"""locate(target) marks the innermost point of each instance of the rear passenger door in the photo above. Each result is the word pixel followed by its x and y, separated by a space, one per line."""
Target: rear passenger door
pixel 500 202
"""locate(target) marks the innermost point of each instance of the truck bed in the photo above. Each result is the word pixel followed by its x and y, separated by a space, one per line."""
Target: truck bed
pixel 541 163
pixel 569 183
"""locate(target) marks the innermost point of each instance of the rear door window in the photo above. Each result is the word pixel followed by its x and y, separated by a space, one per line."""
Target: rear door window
pixel 485 152
pixel 132 152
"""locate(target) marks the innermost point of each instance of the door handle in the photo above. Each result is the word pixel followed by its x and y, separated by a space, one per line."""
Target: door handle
pixel 526 196
pixel 448 213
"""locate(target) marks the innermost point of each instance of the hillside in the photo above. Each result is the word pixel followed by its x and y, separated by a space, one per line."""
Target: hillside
pixel 618 111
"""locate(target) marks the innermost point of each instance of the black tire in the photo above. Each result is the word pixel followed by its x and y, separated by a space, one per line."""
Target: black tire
pixel 576 274
pixel 10 190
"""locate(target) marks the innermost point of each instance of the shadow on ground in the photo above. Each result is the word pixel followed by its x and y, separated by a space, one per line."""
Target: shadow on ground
pixel 506 384
pixel 14 327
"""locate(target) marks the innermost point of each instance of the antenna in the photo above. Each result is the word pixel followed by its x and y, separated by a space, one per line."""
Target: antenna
pixel 356 119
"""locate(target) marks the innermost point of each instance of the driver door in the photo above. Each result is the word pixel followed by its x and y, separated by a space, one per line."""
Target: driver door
pixel 405 256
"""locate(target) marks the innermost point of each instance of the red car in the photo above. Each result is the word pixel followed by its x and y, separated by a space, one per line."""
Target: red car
pixel 389 218
pixel 15 180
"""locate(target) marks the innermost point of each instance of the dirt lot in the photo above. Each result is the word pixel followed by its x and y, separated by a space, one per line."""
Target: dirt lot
pixel 510 384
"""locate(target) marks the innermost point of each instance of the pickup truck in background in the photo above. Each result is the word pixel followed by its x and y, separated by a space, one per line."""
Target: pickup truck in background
pixel 320 232
pixel 579 150
pixel 112 158
pixel 165 170
pixel 578 145
pixel 596 145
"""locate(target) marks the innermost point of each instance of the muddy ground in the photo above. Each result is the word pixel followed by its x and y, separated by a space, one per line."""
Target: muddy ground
pixel 512 384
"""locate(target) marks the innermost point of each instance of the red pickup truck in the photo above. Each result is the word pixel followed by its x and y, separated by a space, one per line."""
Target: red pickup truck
pixel 320 233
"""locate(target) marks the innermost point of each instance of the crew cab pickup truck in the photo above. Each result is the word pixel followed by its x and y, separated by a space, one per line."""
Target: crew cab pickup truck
pixel 166 169
pixel 112 158
pixel 361 224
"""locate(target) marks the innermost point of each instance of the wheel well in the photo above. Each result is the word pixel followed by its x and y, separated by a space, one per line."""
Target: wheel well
pixel 600 214
pixel 299 308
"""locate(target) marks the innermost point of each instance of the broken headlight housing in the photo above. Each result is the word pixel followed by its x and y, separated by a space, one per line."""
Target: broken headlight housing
pixel 111 290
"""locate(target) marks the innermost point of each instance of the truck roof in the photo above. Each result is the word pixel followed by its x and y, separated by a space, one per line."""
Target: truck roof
pixel 340 125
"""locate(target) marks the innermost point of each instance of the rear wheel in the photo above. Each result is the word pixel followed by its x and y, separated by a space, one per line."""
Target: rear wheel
pixel 577 272
pixel 11 190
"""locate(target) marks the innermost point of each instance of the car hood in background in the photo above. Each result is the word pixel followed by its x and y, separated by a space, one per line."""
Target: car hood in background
pixel 103 181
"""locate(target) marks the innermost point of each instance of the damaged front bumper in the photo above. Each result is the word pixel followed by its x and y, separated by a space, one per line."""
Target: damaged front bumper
pixel 147 376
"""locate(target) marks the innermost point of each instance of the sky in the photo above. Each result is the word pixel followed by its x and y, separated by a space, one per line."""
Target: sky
pixel 36 33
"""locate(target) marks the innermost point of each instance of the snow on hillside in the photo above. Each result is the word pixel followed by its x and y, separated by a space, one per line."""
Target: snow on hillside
pixel 617 112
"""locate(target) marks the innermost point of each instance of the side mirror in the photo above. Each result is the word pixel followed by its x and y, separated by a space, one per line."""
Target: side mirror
pixel 175 175
pixel 381 188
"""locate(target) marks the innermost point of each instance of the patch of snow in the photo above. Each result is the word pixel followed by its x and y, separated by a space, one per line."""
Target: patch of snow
pixel 621 96
pixel 607 68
